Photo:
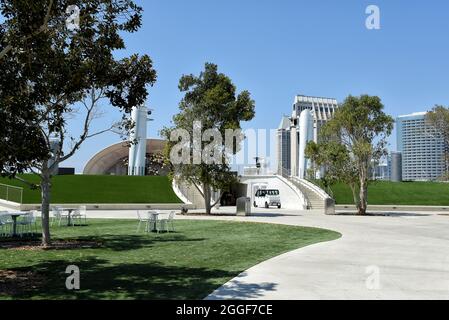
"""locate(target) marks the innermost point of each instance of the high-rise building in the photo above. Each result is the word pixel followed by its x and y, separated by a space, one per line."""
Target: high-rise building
pixel 309 114
pixel 323 109
pixel 284 146
pixel 421 146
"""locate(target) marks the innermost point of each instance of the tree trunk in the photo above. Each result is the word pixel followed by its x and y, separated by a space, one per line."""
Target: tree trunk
pixel 363 197
pixel 446 162
pixel 354 196
pixel 45 204
pixel 207 196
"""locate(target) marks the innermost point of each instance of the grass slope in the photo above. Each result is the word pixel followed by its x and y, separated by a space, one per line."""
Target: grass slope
pixel 188 264
pixel 404 193
pixel 101 189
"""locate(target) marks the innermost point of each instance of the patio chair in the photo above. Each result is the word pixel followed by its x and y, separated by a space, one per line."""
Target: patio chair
pixel 80 215
pixel 28 224
pixel 5 224
pixel 58 215
pixel 167 223
pixel 143 220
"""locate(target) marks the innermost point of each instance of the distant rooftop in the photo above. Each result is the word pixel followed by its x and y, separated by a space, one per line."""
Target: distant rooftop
pixel 285 123
pixel 415 114
pixel 303 98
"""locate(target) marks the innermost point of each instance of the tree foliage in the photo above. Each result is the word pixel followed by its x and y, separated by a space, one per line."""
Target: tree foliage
pixel 210 99
pixel 439 119
pixel 53 73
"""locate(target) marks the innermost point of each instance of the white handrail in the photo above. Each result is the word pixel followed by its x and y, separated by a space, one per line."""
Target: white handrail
pixel 314 188
pixel 8 193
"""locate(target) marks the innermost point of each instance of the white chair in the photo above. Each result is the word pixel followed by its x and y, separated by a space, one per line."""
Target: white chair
pixel 80 214
pixel 6 224
pixel 58 215
pixel 167 223
pixel 27 223
pixel 144 220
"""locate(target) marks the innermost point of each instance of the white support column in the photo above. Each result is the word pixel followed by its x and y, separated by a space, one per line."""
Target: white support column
pixel 305 135
pixel 293 151
pixel 138 150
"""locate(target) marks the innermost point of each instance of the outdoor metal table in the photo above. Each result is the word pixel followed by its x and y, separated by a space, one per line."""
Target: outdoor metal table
pixel 14 216
pixel 69 215
pixel 156 217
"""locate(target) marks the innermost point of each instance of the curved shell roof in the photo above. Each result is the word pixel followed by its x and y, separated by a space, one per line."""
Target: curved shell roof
pixel 110 156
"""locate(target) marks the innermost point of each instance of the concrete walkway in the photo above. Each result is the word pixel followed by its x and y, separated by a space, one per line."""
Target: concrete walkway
pixel 402 256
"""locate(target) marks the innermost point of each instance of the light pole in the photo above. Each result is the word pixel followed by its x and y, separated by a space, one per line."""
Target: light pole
pixel 258 164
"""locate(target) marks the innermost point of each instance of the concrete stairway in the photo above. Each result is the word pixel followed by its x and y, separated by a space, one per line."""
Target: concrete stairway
pixel 317 199
pixel 313 200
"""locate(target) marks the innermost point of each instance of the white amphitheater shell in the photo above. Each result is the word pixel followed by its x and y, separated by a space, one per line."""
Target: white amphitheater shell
pixel 110 160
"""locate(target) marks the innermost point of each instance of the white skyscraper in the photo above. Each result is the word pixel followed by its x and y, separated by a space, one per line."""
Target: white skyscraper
pixel 309 114
pixel 421 146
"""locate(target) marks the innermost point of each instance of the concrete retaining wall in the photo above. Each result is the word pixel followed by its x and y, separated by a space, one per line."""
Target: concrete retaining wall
pixel 395 208
pixel 99 206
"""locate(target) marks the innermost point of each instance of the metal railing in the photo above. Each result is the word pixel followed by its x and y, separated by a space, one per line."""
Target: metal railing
pixel 11 193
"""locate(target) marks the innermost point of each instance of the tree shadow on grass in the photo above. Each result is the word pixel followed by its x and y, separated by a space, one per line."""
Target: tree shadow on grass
pixel 133 242
pixel 111 242
pixel 150 281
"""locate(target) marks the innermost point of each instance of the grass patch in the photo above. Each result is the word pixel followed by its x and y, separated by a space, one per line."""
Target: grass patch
pixel 188 264
pixel 101 189
pixel 402 193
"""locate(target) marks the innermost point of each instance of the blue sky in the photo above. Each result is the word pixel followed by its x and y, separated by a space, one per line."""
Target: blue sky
pixel 277 49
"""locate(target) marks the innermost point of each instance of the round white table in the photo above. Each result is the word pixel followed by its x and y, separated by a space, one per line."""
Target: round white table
pixel 14 216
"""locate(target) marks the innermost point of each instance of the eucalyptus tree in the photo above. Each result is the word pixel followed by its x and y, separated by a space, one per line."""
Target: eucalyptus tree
pixel 438 118
pixel 207 131
pixel 356 135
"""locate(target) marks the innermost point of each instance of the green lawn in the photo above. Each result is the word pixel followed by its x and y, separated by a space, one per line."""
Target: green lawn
pixel 101 189
pixel 188 264
pixel 404 193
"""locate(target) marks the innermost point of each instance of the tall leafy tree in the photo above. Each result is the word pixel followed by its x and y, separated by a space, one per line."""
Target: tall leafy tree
pixel 439 119
pixel 351 140
pixel 55 72
pixel 340 166
pixel 210 103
